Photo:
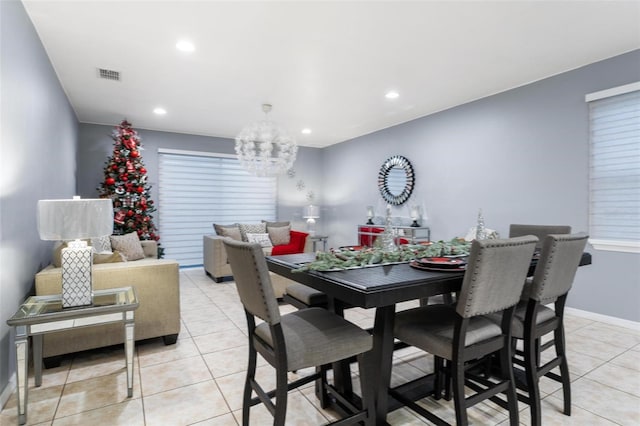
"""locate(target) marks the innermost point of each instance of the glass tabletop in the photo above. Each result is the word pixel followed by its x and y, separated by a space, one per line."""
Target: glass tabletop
pixel 42 307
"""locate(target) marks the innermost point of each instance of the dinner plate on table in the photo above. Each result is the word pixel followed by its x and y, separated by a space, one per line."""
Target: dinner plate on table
pixel 447 264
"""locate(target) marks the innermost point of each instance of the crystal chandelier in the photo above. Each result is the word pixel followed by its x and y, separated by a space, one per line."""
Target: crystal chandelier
pixel 264 148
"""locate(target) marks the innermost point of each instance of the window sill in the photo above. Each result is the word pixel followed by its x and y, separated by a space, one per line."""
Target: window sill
pixel 611 245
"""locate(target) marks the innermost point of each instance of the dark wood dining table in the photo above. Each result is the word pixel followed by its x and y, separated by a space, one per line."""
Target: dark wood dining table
pixel 380 287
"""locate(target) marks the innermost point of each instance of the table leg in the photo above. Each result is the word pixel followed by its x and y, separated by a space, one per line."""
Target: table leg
pixel 341 370
pixel 128 349
pixel 22 366
pixel 37 358
pixel 383 357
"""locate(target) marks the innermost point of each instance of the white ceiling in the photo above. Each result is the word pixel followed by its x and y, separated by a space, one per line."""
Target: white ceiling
pixel 323 65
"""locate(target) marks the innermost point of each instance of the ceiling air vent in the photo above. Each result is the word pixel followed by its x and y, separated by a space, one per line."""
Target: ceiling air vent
pixel 109 74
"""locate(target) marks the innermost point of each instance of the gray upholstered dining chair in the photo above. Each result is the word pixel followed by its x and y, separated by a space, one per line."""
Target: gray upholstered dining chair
pixel 311 337
pixel 302 297
pixel 551 282
pixel 540 231
pixel 462 333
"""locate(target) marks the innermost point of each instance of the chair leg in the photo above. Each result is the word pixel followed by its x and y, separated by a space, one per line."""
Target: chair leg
pixel 459 400
pixel 281 397
pixel 506 371
pixel 558 336
pixel 447 380
pixel 438 374
pixel 321 386
pixel 531 371
pixel 246 397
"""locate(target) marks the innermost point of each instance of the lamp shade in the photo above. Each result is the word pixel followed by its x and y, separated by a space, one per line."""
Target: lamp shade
pixel 311 212
pixel 75 219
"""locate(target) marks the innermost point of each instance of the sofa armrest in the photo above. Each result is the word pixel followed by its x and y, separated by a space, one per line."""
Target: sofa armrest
pixel 150 248
pixel 215 257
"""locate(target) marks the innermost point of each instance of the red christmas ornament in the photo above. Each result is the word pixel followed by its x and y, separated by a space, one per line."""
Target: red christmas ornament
pixel 109 181
pixel 143 170
pixel 124 177
pixel 134 154
pixel 130 213
pixel 140 190
pixel 114 167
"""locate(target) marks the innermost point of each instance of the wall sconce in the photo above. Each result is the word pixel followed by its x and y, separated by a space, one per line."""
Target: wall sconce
pixel 311 213
pixel 74 220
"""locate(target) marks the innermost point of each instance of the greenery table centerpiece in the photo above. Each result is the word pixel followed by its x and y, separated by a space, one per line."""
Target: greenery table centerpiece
pixel 340 259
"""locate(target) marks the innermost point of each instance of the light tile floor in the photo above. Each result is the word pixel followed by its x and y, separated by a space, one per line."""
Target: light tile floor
pixel 198 381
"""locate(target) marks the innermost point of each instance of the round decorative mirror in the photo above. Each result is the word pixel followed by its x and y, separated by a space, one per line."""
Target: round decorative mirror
pixel 395 180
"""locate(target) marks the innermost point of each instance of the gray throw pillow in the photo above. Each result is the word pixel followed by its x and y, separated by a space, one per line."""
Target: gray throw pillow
pixel 279 235
pixel 252 228
pixel 218 228
pixel 276 224
pixel 232 232
pixel 128 245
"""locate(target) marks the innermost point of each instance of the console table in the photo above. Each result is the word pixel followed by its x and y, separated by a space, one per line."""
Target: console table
pixel 39 315
pixel 367 234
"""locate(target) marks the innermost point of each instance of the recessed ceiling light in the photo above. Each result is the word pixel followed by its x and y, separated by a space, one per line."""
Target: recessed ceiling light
pixel 392 94
pixel 306 131
pixel 160 111
pixel 185 46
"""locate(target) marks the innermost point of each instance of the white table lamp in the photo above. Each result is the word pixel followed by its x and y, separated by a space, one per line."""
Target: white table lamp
pixel 73 220
pixel 311 213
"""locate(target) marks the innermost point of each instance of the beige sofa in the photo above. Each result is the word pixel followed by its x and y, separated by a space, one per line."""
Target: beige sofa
pixel 157 286
pixel 217 267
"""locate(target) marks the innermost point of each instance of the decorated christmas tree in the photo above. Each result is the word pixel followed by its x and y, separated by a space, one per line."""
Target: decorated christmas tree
pixel 125 182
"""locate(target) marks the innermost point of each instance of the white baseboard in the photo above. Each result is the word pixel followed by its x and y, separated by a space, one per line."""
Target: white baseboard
pixel 8 390
pixel 633 325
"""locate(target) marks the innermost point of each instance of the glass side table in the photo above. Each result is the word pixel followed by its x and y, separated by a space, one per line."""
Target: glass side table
pixel 315 239
pixel 39 315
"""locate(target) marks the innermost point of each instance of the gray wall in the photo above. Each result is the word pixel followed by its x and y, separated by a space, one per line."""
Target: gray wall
pixel 521 156
pixel 95 145
pixel 37 145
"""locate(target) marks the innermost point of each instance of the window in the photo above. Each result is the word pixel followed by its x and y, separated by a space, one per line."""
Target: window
pixel 614 168
pixel 199 189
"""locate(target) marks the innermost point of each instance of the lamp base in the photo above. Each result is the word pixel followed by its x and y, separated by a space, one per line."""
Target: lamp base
pixel 311 226
pixel 77 262
pixel 415 224
pixel 369 222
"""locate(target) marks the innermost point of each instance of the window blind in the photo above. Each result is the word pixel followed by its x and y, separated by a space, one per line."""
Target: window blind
pixel 199 189
pixel 614 172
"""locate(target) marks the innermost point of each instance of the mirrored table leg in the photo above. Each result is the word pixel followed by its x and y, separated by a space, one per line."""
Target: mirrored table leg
pixel 37 358
pixel 22 365
pixel 128 347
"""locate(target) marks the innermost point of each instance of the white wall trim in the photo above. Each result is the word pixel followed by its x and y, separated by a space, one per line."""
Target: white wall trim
pixel 614 91
pixel 8 390
pixel 633 325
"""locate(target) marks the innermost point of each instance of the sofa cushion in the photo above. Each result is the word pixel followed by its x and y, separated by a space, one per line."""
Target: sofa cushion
pixel 251 228
pixel 279 234
pixel 129 245
pixel 262 239
pixel 113 257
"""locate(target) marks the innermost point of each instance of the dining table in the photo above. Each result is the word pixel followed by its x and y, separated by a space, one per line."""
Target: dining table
pixel 381 288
